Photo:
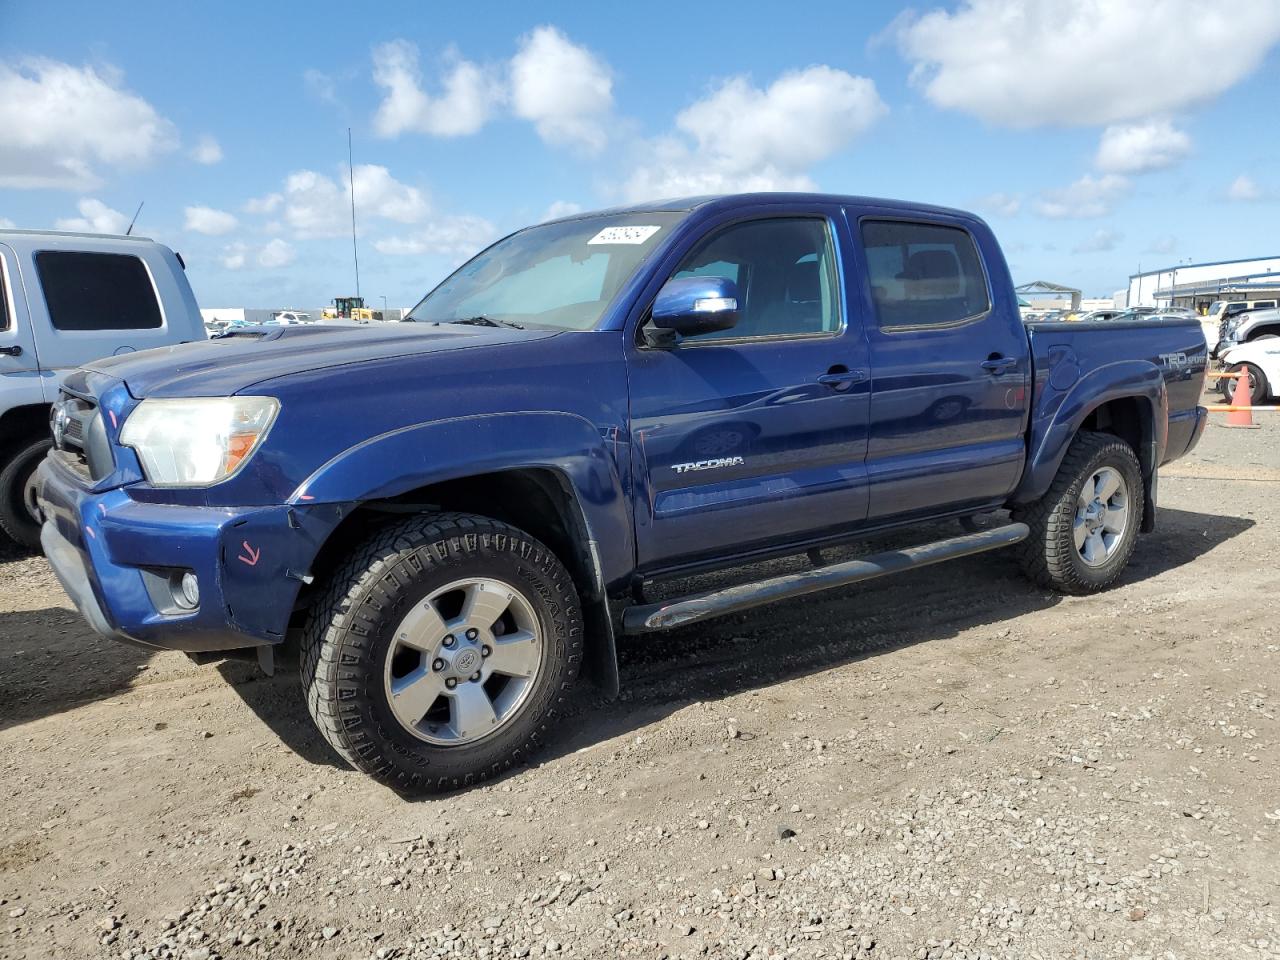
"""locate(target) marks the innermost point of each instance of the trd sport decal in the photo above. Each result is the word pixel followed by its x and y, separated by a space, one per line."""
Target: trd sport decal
pixel 716 464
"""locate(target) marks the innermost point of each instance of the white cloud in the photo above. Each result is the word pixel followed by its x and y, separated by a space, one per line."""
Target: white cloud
pixel 277 253
pixel 1086 198
pixel 562 88
pixel 1165 244
pixel 317 205
pixel 207 220
pixel 1000 204
pixel 1141 147
pixel 741 137
pixel 234 255
pixel 469 95
pixel 560 208
pixel 207 151
pixel 1244 189
pixel 95 217
pixel 457 237
pixel 6 224
pixel 62 123
pixel 269 203
pixel 1100 242
pixel 1027 63
pixel 321 86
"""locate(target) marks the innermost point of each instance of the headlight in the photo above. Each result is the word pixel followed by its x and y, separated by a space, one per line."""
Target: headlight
pixel 199 441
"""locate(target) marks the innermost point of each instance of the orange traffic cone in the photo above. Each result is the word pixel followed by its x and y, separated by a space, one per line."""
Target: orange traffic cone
pixel 1242 403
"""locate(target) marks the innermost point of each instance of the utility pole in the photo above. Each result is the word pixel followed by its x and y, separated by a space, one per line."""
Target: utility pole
pixel 351 177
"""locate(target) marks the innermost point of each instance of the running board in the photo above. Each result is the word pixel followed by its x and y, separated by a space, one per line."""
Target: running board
pixel 681 611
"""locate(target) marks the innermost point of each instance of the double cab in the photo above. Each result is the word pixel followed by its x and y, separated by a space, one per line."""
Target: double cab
pixel 452 518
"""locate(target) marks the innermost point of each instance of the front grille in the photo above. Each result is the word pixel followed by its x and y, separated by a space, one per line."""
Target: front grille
pixel 74 433
pixel 80 437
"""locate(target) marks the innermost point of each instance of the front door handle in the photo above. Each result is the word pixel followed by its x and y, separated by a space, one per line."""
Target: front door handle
pixel 998 365
pixel 14 351
pixel 838 379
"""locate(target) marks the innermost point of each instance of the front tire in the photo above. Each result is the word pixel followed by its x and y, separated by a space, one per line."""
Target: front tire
pixel 17 494
pixel 441 651
pixel 1258 386
pixel 1084 529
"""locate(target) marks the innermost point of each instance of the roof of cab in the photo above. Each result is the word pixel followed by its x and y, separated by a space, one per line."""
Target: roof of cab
pixel 72 234
pixel 731 200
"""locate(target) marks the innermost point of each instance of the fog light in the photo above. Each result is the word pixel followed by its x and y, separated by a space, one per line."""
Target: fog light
pixel 190 586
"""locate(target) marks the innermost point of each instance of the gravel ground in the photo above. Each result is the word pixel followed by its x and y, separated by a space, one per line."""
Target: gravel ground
pixel 947 764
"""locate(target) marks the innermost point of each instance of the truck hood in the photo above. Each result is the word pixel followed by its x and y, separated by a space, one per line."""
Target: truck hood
pixel 233 363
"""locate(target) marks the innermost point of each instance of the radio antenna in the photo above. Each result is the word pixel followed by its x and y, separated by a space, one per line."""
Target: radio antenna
pixel 129 232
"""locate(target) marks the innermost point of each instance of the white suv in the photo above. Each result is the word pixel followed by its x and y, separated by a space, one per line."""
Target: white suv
pixel 1248 326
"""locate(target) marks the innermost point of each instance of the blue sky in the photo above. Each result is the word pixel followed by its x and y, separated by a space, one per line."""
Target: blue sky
pixel 1094 136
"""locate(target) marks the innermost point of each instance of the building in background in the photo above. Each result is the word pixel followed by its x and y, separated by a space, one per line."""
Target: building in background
pixel 1197 285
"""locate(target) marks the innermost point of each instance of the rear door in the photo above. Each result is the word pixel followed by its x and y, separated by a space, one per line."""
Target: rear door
pixel 950 368
pixel 17 346
pixel 91 303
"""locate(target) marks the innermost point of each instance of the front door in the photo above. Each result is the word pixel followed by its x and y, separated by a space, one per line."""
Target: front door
pixel 756 435
pixel 950 370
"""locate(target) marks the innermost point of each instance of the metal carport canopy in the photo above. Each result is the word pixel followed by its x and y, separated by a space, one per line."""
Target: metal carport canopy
pixel 1043 288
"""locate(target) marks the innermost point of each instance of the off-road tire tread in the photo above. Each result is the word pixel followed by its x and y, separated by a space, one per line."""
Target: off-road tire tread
pixel 429 538
pixel 1047 556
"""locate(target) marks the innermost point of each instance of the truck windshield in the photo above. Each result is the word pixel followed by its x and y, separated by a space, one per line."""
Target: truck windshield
pixel 559 275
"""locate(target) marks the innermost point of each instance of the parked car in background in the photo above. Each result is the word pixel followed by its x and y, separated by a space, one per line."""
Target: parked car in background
pixel 67 299
pixel 452 517
pixel 1094 315
pixel 1260 359
pixel 290 317
pixel 1222 312
pixel 1247 326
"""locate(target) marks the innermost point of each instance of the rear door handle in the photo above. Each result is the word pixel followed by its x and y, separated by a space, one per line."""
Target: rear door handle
pixel 843 379
pixel 999 364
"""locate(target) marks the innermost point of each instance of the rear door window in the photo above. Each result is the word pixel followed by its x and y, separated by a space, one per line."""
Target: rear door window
pixel 97 291
pixel 923 274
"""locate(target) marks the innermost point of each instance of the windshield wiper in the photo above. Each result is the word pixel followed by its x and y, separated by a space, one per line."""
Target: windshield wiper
pixel 483 321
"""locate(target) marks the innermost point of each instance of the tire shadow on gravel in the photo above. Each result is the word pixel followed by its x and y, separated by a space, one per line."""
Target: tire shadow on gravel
pixel 664 672
pixel 278 703
pixel 54 662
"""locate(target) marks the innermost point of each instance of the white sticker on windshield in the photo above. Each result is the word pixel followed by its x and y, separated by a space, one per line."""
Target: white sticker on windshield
pixel 624 235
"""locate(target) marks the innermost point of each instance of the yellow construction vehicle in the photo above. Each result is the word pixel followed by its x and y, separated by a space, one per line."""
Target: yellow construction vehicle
pixel 349 308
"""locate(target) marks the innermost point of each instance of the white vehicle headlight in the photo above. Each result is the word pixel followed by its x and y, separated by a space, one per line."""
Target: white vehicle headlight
pixel 198 441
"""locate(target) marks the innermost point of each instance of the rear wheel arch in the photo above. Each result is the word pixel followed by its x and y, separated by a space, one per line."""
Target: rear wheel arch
pixel 1131 419
pixel 24 424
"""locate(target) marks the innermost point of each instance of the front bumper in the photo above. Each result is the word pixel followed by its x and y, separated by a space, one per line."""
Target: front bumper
pixel 113 553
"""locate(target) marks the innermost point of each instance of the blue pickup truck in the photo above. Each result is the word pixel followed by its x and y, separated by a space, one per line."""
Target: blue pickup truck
pixel 454 517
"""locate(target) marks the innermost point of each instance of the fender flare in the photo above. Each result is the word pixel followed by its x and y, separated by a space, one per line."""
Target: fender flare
pixel 583 457
pixel 1062 412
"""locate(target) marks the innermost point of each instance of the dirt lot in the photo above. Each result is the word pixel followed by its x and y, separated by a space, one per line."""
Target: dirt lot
pixel 952 763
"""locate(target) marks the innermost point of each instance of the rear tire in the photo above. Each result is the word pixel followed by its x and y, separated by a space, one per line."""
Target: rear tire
pixel 17 494
pixel 1084 529
pixel 441 651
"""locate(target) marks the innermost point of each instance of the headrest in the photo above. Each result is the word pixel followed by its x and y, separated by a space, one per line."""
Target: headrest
pixel 931 265
pixel 804 282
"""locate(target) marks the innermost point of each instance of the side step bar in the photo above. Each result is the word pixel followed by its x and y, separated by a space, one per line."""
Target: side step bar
pixel 681 611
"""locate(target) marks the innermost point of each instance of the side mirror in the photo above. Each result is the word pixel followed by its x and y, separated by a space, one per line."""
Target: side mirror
pixel 693 305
